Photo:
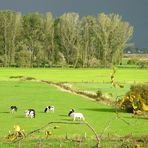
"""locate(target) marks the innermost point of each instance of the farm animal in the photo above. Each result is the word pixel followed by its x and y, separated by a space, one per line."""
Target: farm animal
pixel 13 109
pixel 30 113
pixel 76 115
pixel 49 109
pixel 71 111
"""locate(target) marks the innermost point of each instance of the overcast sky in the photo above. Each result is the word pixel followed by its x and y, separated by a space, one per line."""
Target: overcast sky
pixel 133 11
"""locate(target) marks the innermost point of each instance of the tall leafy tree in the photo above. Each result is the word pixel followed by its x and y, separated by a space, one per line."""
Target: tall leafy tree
pixel 33 35
pixel 69 33
pixel 10 29
pixel 88 25
pixel 113 35
pixel 49 43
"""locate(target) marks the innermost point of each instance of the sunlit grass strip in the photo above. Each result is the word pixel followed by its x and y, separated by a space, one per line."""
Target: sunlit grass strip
pixel 76 75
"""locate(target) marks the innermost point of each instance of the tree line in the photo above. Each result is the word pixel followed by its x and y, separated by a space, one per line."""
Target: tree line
pixel 41 40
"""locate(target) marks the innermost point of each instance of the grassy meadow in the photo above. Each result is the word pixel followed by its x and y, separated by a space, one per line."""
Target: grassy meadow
pixel 77 75
pixel 37 95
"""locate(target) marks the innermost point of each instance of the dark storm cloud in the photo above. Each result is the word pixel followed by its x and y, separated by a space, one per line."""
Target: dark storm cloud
pixel 133 11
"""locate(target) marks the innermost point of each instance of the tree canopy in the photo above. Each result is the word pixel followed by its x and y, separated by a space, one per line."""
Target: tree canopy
pixel 40 40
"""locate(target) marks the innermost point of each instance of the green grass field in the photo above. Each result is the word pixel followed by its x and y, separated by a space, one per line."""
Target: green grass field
pixel 105 88
pixel 37 95
pixel 77 75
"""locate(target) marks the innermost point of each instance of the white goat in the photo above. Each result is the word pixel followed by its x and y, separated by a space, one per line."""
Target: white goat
pixel 75 115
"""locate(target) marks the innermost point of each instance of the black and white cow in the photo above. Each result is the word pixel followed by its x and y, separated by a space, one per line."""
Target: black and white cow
pixel 49 109
pixel 30 113
pixel 13 109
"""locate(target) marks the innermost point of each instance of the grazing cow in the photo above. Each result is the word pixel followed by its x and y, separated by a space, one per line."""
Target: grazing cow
pixel 49 109
pixel 13 109
pixel 30 113
pixel 75 115
pixel 71 111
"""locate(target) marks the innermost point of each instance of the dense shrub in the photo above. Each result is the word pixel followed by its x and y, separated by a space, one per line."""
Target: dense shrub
pixel 94 63
pixel 136 99
pixel 143 64
pixel 23 58
pixel 99 93
pixel 139 89
pixel 132 61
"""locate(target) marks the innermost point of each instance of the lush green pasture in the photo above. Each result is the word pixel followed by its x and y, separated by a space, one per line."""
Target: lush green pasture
pixel 36 95
pixel 84 79
pixel 77 75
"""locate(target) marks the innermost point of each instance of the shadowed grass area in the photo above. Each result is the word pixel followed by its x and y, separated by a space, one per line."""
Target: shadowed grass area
pixel 79 141
pixel 56 142
pixel 100 109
